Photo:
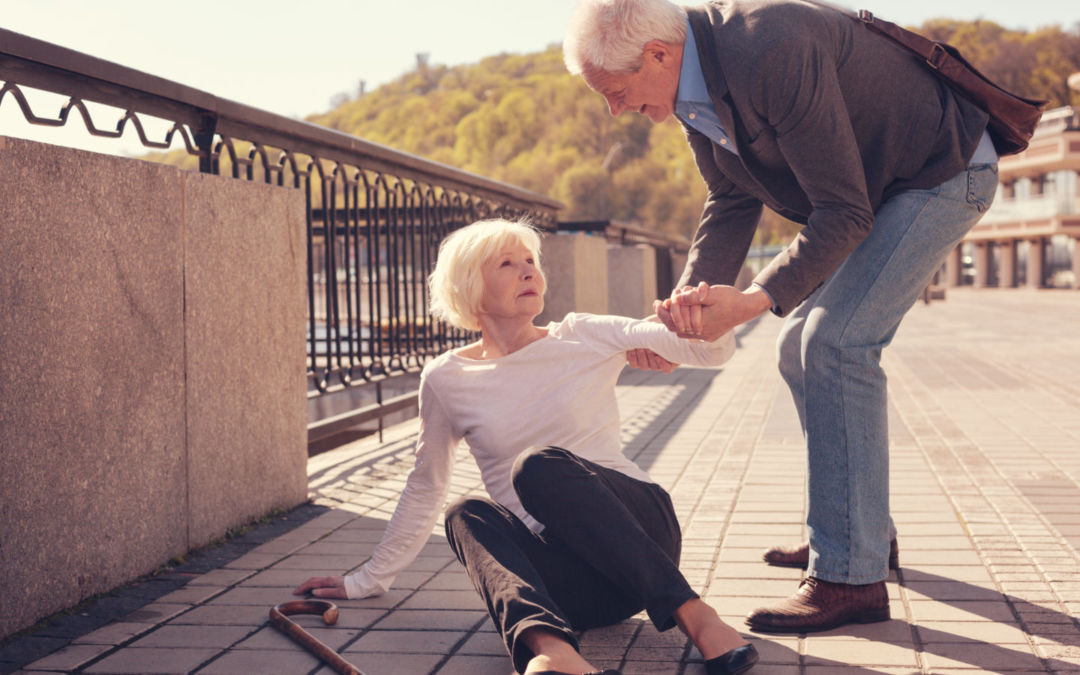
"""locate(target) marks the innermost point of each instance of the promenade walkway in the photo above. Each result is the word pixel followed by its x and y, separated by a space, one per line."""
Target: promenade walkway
pixel 985 427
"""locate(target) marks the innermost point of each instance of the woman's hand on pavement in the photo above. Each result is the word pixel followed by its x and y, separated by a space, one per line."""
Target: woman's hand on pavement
pixel 323 587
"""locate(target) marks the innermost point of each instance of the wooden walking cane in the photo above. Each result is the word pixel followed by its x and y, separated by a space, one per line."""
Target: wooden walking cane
pixel 279 616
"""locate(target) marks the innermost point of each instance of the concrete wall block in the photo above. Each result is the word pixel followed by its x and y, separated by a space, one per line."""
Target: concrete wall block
pixel 631 279
pixel 91 375
pixel 99 429
pixel 576 269
pixel 247 413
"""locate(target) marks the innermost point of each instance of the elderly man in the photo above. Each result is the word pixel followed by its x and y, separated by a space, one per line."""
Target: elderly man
pixel 799 107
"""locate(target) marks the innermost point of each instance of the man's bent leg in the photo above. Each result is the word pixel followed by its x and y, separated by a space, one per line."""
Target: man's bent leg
pixel 855 317
pixel 789 357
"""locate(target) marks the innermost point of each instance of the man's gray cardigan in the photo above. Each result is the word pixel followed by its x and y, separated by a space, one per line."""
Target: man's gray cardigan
pixel 830 120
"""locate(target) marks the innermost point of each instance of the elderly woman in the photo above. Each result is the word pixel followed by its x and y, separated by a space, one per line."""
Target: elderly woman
pixel 574 535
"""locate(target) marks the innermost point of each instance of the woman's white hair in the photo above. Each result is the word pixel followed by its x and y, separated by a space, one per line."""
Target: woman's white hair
pixel 456 286
pixel 610 35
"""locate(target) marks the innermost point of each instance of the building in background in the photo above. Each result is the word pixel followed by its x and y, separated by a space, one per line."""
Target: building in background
pixel 1030 235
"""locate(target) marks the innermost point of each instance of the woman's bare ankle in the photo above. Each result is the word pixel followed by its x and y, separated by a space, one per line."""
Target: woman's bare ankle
pixel 553 652
pixel 706 629
pixel 542 662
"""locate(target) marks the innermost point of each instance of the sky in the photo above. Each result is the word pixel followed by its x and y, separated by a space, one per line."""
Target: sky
pixel 291 58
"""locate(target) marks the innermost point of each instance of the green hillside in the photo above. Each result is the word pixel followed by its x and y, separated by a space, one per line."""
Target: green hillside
pixel 520 118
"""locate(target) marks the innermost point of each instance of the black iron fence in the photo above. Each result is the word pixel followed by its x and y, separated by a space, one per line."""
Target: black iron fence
pixel 375 215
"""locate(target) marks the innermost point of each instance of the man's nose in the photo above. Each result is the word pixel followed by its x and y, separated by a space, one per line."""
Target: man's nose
pixel 615 107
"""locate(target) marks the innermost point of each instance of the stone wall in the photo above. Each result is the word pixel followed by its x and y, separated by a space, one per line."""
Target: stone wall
pixel 576 268
pixel 631 279
pixel 152 388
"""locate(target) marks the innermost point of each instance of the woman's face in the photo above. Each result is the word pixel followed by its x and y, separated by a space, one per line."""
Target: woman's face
pixel 513 286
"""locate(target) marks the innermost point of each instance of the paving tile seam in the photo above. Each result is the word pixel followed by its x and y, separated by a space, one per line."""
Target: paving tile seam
pixel 476 483
pixel 165 622
pixel 127 644
pixel 921 405
pixel 956 503
pixel 761 395
pixel 1043 455
pixel 635 435
pixel 1060 431
pixel 702 447
pixel 232 586
pixel 453 650
pixel 940 476
pixel 916 638
pixel 386 612
pixel 996 505
pixel 225 651
pixel 350 466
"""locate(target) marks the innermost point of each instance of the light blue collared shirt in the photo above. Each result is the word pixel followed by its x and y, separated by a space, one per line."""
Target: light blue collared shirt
pixel 692 103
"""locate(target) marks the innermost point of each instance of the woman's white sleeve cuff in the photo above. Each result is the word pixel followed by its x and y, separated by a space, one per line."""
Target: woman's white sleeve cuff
pixel 363 584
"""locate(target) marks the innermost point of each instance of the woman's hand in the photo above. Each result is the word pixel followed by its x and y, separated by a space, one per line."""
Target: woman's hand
pixel 647 359
pixel 324 587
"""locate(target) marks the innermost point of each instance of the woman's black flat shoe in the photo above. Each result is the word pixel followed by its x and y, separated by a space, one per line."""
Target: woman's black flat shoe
pixel 738 660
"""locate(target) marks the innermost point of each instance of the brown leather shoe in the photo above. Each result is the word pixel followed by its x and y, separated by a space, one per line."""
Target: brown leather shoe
pixel 821 605
pixel 799 556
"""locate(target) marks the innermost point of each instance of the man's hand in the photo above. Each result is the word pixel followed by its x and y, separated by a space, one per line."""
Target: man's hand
pixel 721 309
pixel 683 319
pixel 324 587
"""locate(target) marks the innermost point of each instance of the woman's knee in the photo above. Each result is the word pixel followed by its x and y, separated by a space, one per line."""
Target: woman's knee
pixel 537 466
pixel 465 514
pixel 462 508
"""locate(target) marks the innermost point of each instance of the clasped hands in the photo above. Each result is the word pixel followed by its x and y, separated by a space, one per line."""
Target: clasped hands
pixel 701 312
pixel 706 312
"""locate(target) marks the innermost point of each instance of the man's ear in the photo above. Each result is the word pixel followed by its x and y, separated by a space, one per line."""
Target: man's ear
pixel 658 51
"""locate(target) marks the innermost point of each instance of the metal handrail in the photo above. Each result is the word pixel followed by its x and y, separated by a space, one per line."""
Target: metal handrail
pixel 44 65
pixel 375 215
pixel 625 233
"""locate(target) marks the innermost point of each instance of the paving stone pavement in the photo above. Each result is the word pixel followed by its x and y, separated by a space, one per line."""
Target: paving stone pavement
pixel 985 429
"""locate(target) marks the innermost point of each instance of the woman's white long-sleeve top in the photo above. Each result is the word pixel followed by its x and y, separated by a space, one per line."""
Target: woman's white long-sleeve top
pixel 558 390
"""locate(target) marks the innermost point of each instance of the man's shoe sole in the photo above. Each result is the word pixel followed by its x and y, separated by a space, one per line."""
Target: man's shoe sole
pixel 869 616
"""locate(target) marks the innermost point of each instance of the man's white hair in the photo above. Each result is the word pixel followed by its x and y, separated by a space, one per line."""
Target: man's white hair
pixel 610 35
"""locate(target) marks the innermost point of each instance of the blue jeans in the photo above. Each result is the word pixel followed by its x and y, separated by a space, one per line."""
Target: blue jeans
pixel 829 353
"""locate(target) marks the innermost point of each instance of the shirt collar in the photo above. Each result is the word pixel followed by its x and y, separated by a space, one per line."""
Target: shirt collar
pixel 692 87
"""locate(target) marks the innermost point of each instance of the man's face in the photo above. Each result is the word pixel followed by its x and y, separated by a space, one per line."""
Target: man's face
pixel 649 90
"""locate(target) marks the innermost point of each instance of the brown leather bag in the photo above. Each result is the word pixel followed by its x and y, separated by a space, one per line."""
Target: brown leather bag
pixel 1012 118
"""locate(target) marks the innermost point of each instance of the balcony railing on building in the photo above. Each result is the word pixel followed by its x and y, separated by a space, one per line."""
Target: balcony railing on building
pixel 1031 234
